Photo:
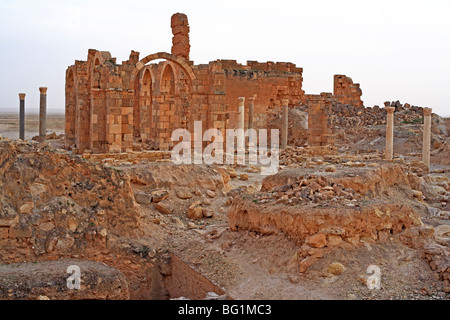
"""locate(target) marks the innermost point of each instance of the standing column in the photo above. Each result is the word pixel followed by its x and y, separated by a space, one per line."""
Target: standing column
pixel 251 108
pixel 285 125
pixel 22 116
pixel 241 132
pixel 390 133
pixel 426 136
pixel 43 115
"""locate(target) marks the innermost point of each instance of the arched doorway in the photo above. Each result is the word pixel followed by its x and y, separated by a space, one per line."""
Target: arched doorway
pixel 167 97
pixel 142 107
pixel 168 81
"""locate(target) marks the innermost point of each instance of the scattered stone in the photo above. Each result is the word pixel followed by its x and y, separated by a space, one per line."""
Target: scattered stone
pixel 244 177
pixel 143 198
pixel 336 269
pixel 26 208
pixel 330 169
pixel 178 223
pixel 159 195
pixel 317 241
pixel 163 208
pixel 211 194
pixel 294 279
pixel 195 211
pixel 306 263
pixel 208 213
pixel 192 225
pixel 197 193
pixel 184 195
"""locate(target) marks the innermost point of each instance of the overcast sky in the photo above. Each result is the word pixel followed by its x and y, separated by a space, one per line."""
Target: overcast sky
pixel 396 49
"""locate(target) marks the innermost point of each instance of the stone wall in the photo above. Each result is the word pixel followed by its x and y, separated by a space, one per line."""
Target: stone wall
pixel 347 92
pixel 114 108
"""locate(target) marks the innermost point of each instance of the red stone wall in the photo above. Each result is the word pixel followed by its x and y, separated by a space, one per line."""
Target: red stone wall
pixel 347 92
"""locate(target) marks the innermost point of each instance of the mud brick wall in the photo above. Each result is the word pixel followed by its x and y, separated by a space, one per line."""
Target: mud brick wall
pixel 347 92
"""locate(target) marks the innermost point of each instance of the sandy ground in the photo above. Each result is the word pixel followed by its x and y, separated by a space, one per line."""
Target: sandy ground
pixel 9 125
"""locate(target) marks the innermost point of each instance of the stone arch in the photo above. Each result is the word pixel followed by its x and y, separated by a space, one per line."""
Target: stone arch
pixel 183 63
pixel 167 82
pixel 70 111
pixel 142 105
pixel 169 109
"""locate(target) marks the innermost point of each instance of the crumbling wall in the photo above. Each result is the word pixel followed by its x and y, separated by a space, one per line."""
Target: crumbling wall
pixel 54 206
pixel 347 92
pixel 180 30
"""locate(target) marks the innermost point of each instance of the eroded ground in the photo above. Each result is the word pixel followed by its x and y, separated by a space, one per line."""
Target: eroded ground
pixel 174 231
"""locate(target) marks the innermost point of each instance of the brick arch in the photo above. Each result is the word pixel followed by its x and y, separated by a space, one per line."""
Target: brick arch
pixel 167 56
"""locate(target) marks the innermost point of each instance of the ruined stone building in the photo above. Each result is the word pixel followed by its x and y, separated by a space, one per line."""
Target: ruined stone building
pixel 113 108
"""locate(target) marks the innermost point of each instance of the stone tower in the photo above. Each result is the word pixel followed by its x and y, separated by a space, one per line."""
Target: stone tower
pixel 180 30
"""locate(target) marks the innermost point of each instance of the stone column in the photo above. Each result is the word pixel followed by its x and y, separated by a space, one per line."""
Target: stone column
pixel 43 115
pixel 390 133
pixel 285 125
pixel 241 125
pixel 251 108
pixel 22 116
pixel 426 136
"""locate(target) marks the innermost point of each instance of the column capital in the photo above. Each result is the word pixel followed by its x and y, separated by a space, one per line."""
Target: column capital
pixel 390 110
pixel 285 102
pixel 43 90
pixel 251 99
pixel 22 96
pixel 427 112
pixel 241 101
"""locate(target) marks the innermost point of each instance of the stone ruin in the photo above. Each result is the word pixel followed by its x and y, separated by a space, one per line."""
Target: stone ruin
pixel 161 231
pixel 115 108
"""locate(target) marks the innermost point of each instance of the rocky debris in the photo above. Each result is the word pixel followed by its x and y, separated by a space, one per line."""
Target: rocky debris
pixel 167 176
pixel 243 177
pixel 184 194
pixel 211 194
pixel 299 155
pixel 52 201
pixel 439 258
pixel 317 241
pixel 304 223
pixel 48 281
pixel 294 187
pixel 345 116
pixel 336 269
pixel 195 211
pixel 159 195
pixel 164 207
pixel 50 136
pixel 208 213
pixel 308 189
pixel 143 198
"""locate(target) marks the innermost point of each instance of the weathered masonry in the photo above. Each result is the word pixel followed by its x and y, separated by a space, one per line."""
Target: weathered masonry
pixel 114 108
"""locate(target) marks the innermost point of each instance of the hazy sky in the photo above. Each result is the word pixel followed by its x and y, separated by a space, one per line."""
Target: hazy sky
pixel 396 49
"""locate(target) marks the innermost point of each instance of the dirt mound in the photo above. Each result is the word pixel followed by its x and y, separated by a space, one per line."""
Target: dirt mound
pixel 170 176
pixel 48 280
